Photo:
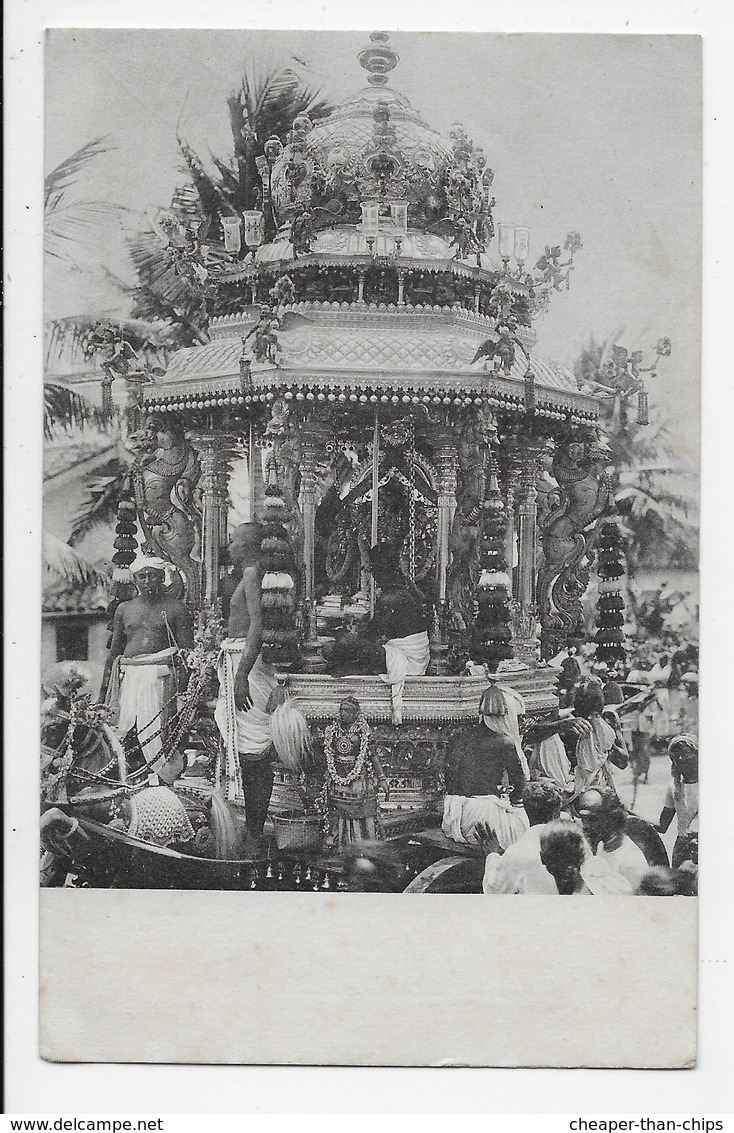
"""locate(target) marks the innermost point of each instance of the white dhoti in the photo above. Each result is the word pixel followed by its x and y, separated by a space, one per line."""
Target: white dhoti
pixel 406 657
pixel 245 732
pixel 143 692
pixel 461 813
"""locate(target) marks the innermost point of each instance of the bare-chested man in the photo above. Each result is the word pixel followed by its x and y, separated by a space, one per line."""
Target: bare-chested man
pixel 139 678
pixel 246 684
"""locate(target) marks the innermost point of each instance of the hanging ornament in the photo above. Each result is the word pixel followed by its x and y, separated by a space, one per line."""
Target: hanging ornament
pixel 492 635
pixel 643 408
pixel 280 635
pixel 529 391
pixel 126 549
pixel 609 637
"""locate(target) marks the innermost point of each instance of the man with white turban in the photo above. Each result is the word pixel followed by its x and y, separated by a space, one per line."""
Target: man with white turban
pixel 139 680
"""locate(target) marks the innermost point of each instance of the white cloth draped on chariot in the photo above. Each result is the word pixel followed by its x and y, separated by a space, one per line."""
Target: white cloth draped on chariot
pixel 405 657
pixel 142 693
pixel 246 732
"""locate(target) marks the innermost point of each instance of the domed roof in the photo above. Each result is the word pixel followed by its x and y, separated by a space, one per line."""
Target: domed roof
pixel 374 147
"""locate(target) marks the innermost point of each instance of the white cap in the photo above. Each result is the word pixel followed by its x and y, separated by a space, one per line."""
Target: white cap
pixel 152 562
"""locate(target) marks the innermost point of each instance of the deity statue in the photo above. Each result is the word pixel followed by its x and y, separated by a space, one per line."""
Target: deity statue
pixel 353 776
pixel 585 495
pixel 302 230
pixel 164 481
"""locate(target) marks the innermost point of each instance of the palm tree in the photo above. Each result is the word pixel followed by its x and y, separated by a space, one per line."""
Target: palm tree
pixel 264 105
pixel 168 312
pixel 656 498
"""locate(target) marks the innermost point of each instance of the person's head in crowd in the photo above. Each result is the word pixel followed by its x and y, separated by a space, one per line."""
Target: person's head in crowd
pixel 683 752
pixel 613 694
pixel 541 799
pixel 602 815
pixel 562 852
pixel 588 699
pixel 660 881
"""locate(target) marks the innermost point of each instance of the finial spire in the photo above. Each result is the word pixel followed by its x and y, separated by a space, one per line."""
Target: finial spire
pixel 379 58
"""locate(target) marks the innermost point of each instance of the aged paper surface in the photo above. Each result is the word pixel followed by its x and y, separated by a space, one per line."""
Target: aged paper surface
pixel 451 981
pixel 446 980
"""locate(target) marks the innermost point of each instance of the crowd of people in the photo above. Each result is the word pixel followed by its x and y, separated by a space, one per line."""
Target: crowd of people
pixel 540 802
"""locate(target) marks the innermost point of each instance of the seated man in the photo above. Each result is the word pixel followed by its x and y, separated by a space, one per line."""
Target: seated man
pixel 482 763
pixel 395 643
pixel 139 679
pixel 603 818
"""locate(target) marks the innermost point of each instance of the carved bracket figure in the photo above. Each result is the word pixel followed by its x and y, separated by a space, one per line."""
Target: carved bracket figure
pixel 165 475
pixel 584 496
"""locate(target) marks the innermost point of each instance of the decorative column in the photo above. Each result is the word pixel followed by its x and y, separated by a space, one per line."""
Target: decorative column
pixel 215 452
pixel 401 289
pixel 312 438
pixel 524 628
pixel 510 526
pixel 446 461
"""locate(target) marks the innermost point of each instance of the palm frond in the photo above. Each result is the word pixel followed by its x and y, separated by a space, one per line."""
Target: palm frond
pixel 64 175
pixel 63 408
pixel 61 563
pixel 101 500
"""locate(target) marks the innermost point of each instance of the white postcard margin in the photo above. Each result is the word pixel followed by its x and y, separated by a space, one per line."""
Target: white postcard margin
pixel 367 979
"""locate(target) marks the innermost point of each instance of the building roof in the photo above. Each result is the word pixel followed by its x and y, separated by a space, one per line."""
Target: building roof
pixel 71 598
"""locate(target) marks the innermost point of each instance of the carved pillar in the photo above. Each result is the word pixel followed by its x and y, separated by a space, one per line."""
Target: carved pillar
pixel 445 459
pixel 524 639
pixel 312 439
pixel 401 289
pixel 510 527
pixel 215 451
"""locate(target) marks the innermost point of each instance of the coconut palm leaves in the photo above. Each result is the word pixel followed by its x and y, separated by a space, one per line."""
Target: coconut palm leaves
pixel 68 217
pixel 268 99
pixel 104 490
pixel 62 564
pixel 657 498
pixel 63 408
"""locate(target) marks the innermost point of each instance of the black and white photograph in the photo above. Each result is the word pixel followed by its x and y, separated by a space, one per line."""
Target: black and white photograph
pixel 371 469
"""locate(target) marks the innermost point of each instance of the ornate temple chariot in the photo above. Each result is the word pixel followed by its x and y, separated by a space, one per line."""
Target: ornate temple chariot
pixel 372 364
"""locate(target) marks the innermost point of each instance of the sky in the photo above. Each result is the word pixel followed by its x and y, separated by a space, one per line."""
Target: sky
pixel 595 134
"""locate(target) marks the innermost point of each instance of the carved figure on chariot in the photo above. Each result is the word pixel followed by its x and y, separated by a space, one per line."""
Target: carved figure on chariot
pixel 584 496
pixel 165 475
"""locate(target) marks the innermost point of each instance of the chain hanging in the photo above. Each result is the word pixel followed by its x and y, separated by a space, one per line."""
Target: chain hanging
pixel 411 502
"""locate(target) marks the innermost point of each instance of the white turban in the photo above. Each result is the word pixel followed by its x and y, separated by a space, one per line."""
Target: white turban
pixel 151 562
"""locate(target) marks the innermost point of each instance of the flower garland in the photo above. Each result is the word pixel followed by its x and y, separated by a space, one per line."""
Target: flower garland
pixel 335 734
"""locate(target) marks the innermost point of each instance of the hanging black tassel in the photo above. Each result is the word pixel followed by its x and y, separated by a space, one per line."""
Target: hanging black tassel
pixel 643 408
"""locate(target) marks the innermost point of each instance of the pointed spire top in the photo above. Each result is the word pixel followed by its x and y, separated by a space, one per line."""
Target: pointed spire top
pixel 379 58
